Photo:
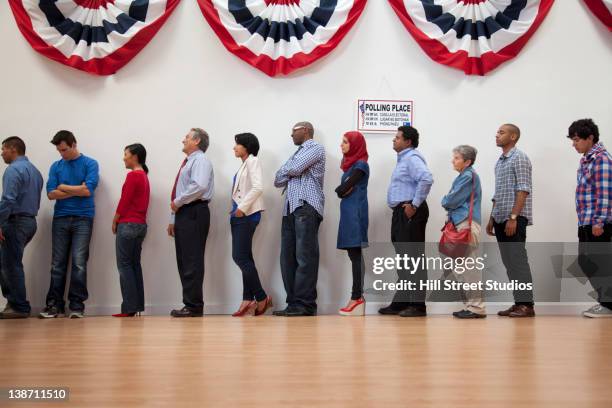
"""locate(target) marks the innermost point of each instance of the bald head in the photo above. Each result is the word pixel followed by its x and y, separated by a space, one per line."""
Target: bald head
pixel 301 132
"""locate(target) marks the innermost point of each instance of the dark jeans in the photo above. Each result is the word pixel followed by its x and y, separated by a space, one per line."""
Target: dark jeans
pixel 70 239
pixel 128 246
pixel 595 259
pixel 191 226
pixel 18 232
pixel 358 268
pixel 242 254
pixel 514 257
pixel 408 238
pixel 299 257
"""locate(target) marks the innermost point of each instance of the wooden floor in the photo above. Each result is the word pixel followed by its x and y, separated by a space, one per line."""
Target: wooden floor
pixel 327 361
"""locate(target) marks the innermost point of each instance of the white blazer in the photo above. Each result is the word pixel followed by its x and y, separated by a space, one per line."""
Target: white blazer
pixel 248 188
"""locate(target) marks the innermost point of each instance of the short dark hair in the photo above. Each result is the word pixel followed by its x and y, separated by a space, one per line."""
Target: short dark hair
pixel 583 128
pixel 515 129
pixel 410 133
pixel 64 136
pixel 14 142
pixel 249 141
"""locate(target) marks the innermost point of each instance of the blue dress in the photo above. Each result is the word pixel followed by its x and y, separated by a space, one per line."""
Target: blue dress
pixel 353 228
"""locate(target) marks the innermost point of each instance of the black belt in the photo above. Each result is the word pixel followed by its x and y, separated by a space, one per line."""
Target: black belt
pixel 13 216
pixel 194 203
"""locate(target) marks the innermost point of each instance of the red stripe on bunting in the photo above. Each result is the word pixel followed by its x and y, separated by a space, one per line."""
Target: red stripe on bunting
pixel 97 66
pixel 460 59
pixel 601 12
pixel 282 65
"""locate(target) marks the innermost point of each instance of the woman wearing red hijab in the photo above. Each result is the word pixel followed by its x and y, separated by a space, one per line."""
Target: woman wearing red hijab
pixel 353 228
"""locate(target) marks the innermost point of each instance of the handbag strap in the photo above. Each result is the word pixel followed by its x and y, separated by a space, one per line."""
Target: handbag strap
pixel 472 199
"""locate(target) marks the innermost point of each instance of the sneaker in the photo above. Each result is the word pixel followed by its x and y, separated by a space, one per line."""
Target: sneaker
pixel 597 311
pixel 468 314
pixel 50 312
pixel 10 313
pixel 77 314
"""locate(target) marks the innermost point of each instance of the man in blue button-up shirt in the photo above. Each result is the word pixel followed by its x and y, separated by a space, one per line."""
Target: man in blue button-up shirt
pixel 410 184
pixel 301 177
pixel 190 220
pixel 21 188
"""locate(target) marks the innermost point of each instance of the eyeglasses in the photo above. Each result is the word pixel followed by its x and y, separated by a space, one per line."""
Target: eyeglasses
pixel 297 128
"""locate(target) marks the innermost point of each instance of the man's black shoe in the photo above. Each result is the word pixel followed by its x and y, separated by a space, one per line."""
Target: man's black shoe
pixel 392 309
pixel 186 312
pixel 282 312
pixel 467 314
pixel 299 312
pixel 413 311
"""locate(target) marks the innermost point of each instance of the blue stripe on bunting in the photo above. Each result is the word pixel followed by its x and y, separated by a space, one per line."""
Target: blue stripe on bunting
pixel 282 30
pixel 93 34
pixel 463 27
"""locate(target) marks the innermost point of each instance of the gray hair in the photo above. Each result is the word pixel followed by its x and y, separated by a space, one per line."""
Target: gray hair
pixel 467 152
pixel 306 125
pixel 202 136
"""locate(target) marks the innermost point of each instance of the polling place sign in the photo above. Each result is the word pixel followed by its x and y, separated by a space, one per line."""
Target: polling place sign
pixel 383 116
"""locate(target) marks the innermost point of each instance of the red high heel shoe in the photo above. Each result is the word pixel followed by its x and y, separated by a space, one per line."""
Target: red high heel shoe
pixel 246 310
pixel 267 305
pixel 357 309
pixel 125 314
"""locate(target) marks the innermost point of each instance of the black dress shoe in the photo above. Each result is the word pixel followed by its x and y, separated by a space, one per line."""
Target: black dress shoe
pixel 413 311
pixel 282 312
pixel 186 312
pixel 467 314
pixel 392 309
pixel 299 312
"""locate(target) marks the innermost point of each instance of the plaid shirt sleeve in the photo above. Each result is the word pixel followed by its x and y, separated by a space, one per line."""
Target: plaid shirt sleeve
pixel 302 162
pixel 602 175
pixel 523 174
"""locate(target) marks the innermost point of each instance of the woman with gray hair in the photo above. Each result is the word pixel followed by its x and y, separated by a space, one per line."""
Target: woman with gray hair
pixel 458 202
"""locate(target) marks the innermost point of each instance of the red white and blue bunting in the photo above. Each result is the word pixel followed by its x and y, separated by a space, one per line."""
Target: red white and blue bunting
pixel 96 36
pixel 475 36
pixel 281 36
pixel 602 10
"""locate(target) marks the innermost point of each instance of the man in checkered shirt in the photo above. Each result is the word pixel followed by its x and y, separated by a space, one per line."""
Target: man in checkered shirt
pixel 593 206
pixel 511 214
pixel 301 177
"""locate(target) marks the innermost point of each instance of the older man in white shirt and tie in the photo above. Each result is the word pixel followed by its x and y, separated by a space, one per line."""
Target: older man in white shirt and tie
pixel 190 220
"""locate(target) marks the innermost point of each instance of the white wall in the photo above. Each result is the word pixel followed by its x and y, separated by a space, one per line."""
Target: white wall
pixel 186 78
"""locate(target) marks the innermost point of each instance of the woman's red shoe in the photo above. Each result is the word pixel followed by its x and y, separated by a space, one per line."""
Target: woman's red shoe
pixel 267 304
pixel 125 314
pixel 247 309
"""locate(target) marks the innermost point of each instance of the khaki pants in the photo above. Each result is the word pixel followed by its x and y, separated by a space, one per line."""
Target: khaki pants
pixel 472 299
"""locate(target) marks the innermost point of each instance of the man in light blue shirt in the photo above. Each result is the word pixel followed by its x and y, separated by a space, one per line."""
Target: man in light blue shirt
pixel 410 184
pixel 72 182
pixel 21 188
pixel 301 177
pixel 190 220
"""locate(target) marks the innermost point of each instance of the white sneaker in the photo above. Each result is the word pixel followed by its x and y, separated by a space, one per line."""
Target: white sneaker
pixel 77 315
pixel 597 311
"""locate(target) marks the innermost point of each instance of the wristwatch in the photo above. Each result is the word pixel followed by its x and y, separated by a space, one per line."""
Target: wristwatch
pixel 513 217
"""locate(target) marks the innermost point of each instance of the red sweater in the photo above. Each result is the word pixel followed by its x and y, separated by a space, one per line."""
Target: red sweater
pixel 134 198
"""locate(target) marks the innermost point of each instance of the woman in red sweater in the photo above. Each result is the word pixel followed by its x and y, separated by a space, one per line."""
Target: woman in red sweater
pixel 130 227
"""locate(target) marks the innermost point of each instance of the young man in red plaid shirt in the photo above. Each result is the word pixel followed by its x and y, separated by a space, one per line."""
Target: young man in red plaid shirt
pixel 593 206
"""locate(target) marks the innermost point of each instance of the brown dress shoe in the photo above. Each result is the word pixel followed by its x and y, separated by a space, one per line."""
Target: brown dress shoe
pixel 522 311
pixel 507 311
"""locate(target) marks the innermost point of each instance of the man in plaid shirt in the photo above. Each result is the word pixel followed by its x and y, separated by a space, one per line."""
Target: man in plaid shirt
pixel 301 177
pixel 511 213
pixel 593 206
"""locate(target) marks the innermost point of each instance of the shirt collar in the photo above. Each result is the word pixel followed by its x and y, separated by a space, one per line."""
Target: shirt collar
pixel 21 158
pixel 595 150
pixel 508 155
pixel 404 153
pixel 194 154
pixel 307 143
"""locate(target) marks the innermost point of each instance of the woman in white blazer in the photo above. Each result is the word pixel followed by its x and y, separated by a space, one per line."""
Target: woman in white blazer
pixel 247 205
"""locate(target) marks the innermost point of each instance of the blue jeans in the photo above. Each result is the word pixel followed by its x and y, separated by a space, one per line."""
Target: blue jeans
pixel 128 245
pixel 299 258
pixel 242 254
pixel 18 232
pixel 71 236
